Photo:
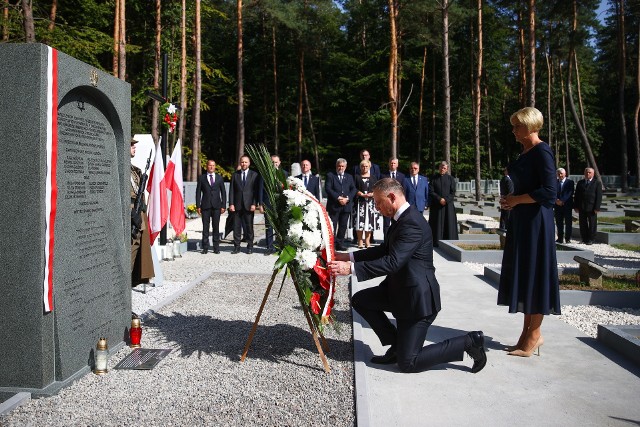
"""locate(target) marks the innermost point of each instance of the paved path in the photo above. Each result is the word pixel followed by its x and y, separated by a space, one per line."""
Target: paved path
pixel 576 381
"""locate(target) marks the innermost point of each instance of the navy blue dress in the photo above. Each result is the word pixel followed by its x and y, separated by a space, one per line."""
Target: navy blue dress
pixel 529 276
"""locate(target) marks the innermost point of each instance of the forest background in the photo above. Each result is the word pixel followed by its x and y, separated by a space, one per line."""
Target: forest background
pixel 421 80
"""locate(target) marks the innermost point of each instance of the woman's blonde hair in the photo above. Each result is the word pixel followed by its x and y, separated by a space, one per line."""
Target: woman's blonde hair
pixel 365 162
pixel 530 117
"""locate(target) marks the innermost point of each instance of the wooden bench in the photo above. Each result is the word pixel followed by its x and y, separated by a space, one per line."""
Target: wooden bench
pixel 632 225
pixel 590 272
pixel 464 228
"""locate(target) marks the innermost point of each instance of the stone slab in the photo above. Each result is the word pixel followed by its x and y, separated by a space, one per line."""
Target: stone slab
pixel 624 339
pixel 91 258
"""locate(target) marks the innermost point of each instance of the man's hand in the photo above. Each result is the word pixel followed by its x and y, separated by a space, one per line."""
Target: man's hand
pixel 340 268
pixel 232 208
pixel 261 209
pixel 443 202
pixel 252 208
pixel 199 211
pixel 559 202
pixel 222 210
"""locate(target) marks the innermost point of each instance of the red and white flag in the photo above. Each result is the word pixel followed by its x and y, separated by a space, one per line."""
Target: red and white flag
pixel 173 183
pixel 158 209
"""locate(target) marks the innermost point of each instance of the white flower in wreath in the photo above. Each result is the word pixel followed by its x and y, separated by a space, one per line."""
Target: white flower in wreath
pixel 311 217
pixel 171 109
pixel 295 229
pixel 306 258
pixel 311 239
pixel 295 198
pixel 295 183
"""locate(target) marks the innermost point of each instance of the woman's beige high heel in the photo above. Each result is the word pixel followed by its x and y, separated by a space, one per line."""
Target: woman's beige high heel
pixel 522 353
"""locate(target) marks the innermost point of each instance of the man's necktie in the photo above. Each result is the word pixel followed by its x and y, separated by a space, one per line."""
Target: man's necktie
pixel 415 182
pixel 211 180
pixel 340 178
pixel 244 177
pixel 305 181
pixel 393 175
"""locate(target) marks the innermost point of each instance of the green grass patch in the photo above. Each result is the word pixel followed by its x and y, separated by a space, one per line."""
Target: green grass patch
pixel 479 247
pixel 609 283
pixel 619 219
pixel 627 247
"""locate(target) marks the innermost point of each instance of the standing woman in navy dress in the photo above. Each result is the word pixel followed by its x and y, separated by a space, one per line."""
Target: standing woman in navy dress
pixel 529 277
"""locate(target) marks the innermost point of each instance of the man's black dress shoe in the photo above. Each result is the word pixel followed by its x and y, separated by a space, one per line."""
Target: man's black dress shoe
pixel 216 251
pixel 250 251
pixel 204 251
pixel 476 351
pixel 340 248
pixel 559 241
pixel 386 359
pixel 235 250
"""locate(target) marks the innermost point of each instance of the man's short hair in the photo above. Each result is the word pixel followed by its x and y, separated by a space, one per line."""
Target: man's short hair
pixel 388 185
pixel 340 161
pixel 561 170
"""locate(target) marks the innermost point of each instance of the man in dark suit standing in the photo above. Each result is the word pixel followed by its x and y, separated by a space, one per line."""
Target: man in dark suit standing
pixel 564 205
pixel 506 187
pixel 374 170
pixel 243 198
pixel 410 290
pixel 341 189
pixel 416 188
pixel 587 200
pixel 264 201
pixel 398 176
pixel 311 182
pixel 211 199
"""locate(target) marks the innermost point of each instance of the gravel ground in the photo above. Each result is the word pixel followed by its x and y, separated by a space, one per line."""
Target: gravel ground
pixel 202 382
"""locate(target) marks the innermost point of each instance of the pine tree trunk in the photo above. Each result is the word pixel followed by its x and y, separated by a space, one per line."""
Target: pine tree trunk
pixel 300 107
pixel 183 80
pixel 275 91
pixel 195 119
pixel 116 37
pixel 122 47
pixel 564 123
pixel 522 63
pixel 393 76
pixel 446 137
pixel 433 113
pixel 156 72
pixel 420 108
pixel 478 103
pixel 532 54
pixel 313 133
pixel 27 14
pixel 622 75
pixel 636 117
pixel 5 21
pixel 240 143
pixel 52 15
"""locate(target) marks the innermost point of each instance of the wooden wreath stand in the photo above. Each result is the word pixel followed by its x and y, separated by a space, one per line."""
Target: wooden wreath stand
pixel 312 326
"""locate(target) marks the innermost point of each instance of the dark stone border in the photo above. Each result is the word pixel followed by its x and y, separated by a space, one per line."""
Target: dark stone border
pixel 617 299
pixel 622 338
pixel 495 256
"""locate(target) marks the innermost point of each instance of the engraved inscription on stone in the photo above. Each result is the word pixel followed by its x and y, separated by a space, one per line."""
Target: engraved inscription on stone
pixel 89 273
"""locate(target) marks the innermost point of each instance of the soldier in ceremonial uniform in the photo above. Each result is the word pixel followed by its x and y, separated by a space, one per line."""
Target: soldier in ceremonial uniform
pixel 141 261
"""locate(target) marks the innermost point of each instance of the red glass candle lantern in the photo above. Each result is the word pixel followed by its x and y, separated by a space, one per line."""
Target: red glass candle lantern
pixel 135 333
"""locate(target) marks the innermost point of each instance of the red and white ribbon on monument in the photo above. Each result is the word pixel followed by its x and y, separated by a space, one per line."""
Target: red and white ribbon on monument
pixel 51 188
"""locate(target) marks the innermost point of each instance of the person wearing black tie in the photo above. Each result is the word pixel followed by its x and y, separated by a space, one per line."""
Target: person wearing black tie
pixel 211 199
pixel 243 198
pixel 311 182
pixel 341 189
pixel 410 290
pixel 398 176
pixel 563 207
pixel 587 200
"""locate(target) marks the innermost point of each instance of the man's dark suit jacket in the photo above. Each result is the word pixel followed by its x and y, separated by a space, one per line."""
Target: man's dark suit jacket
pixel 406 258
pixel 587 198
pixel 313 185
pixel 334 188
pixel 399 176
pixel 417 196
pixel 565 195
pixel 208 196
pixel 242 197
pixel 506 185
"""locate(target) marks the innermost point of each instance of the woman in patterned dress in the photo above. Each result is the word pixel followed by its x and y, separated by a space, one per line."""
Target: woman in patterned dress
pixel 365 216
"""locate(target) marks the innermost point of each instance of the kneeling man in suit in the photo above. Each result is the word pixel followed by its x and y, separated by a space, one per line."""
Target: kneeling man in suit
pixel 410 290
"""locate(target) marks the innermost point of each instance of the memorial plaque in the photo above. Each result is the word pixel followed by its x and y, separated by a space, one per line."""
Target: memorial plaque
pixel 143 359
pixel 65 215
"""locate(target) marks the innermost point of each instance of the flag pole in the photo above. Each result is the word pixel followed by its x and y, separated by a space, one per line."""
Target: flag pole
pixel 163 143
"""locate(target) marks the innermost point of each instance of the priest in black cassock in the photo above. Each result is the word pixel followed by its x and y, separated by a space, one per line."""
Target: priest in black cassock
pixel 442 212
